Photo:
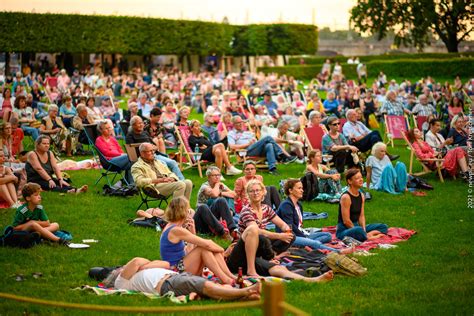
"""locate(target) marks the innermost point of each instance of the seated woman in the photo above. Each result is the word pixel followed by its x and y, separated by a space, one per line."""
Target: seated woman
pixel 381 175
pixel 155 129
pixel 213 153
pixel 67 111
pixel 41 167
pixel 291 212
pixel 199 252
pixel 272 198
pixel 294 120
pixel 315 118
pixel 224 125
pixel 351 215
pixel 146 276
pixel 168 121
pixel 183 116
pixel 458 131
pixel 436 140
pixel 110 148
pixel 329 180
pixel 8 182
pixel 453 160
pixel 93 110
pixel 53 126
pixel 252 222
pixel 335 144
pixel 25 115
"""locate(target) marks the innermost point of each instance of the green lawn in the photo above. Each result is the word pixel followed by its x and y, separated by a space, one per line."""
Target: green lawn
pixel 432 273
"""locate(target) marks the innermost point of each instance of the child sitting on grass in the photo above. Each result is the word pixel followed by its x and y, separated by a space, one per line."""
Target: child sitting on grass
pixel 31 216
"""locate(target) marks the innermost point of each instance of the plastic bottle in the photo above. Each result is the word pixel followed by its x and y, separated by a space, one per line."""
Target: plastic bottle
pixel 196 150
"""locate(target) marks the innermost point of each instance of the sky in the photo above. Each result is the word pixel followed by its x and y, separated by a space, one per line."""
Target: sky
pixel 323 13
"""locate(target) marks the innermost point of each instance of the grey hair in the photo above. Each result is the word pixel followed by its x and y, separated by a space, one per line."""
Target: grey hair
pixel 249 162
pixel 351 111
pixel 235 118
pixel 109 281
pixel 282 123
pixel 455 119
pixel 134 120
pixel 143 146
pixel 210 169
pixel 143 94
pixel 313 114
pixel 80 107
pixel 40 138
pixel 376 147
pixel 100 125
pixel 53 107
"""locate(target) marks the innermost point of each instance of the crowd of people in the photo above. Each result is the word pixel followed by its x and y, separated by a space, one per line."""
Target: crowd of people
pixel 245 117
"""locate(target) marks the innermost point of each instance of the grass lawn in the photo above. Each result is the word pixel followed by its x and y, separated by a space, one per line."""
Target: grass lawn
pixel 432 273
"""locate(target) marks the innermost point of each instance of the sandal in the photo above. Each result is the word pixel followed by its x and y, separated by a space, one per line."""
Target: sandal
pixel 419 193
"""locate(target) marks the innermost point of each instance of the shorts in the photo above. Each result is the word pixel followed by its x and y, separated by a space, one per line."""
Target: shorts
pixel 183 284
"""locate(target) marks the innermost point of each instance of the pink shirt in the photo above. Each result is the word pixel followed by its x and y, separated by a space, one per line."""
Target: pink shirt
pixel 110 148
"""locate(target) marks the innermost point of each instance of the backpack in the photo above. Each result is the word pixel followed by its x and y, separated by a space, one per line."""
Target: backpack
pixel 124 191
pixel 19 238
pixel 342 264
pixel 310 186
pixel 154 222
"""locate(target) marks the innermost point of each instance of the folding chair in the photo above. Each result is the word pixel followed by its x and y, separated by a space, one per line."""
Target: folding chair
pixel 419 120
pixel 108 168
pixel 423 162
pixel 395 127
pixel 314 139
pixel 193 159
pixel 147 194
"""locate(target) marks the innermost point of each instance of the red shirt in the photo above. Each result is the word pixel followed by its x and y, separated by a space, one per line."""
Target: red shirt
pixel 17 138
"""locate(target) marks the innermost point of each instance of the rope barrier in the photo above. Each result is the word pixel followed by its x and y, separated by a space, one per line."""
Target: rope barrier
pixel 126 309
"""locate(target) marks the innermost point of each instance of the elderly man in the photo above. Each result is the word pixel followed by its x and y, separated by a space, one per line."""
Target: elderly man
pixel 392 106
pixel 138 135
pixel 80 119
pixel 265 147
pixel 359 135
pixel 290 142
pixel 148 172
pixel 423 107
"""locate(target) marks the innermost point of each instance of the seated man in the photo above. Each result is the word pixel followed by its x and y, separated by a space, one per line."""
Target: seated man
pixel 289 141
pixel 359 135
pixel 138 135
pixel 213 207
pixel 147 276
pixel 269 104
pixel 148 172
pixel 79 120
pixel 265 147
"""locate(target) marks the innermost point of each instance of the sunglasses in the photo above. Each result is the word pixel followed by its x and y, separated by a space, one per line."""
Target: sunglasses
pixel 335 124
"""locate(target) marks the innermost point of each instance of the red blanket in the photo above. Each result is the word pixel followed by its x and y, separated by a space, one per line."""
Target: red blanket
pixel 394 235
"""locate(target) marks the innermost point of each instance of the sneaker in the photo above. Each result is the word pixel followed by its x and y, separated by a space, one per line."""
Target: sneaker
pixel 393 157
pixel 274 172
pixel 222 178
pixel 288 159
pixel 300 161
pixel 232 171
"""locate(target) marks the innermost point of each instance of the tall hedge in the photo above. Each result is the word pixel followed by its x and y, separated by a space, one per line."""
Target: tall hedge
pixel 26 32
pixel 316 60
pixel 407 68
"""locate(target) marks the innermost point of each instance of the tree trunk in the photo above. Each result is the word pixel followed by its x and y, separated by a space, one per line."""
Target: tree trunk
pixel 188 58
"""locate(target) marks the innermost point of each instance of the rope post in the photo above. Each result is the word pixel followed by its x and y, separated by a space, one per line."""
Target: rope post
pixel 274 295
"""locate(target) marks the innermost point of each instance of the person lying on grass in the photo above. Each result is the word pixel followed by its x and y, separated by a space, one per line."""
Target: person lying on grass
pixel 199 252
pixel 147 276
pixel 351 217
pixel 32 217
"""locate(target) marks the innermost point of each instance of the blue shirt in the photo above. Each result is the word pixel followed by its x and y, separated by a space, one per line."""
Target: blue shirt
pixel 271 106
pixel 331 105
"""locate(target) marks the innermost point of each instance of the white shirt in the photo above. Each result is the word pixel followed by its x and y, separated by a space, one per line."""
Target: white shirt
pixel 143 281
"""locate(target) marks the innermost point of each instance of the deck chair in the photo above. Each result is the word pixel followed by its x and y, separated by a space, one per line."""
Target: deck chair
pixel 395 127
pixel 187 155
pixel 147 194
pixel 314 140
pixel 108 169
pixel 423 162
pixel 342 121
pixel 419 120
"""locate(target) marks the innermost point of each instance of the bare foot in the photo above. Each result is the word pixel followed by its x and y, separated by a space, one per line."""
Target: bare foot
pixel 251 297
pixel 82 189
pixel 323 278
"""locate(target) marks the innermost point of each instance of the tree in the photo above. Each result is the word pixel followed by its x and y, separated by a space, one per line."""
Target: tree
pixel 415 21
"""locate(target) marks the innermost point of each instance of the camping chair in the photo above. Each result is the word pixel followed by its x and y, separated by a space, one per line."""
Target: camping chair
pixel 423 162
pixel 419 120
pixel 192 158
pixel 108 168
pixel 314 139
pixel 395 127
pixel 147 194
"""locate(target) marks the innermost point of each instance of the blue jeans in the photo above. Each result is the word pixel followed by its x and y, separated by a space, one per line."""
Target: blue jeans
pixel 315 241
pixel 358 232
pixel 266 147
pixel 123 163
pixel 172 165
pixel 28 130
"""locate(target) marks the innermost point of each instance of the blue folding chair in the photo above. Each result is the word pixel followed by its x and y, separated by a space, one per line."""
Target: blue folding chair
pixel 109 169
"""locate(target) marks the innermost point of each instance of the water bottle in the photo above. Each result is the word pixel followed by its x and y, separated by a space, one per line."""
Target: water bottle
pixel 196 150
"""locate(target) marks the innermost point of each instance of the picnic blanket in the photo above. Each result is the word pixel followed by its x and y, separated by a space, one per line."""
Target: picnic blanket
pixel 394 235
pixel 103 291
